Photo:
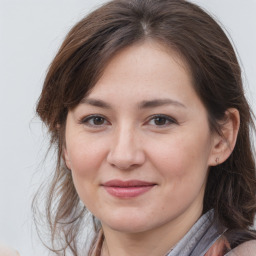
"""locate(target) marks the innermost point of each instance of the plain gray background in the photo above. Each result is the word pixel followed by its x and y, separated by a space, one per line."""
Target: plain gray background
pixel 30 33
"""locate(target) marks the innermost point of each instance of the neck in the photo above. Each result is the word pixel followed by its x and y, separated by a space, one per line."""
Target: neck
pixel 156 242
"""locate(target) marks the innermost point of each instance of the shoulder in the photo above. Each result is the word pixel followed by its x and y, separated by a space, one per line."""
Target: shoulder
pixel 244 249
pixel 6 251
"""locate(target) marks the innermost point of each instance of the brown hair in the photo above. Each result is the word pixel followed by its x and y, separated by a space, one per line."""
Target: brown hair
pixel 190 31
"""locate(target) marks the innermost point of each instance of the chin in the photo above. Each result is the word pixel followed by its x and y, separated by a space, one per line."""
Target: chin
pixel 127 224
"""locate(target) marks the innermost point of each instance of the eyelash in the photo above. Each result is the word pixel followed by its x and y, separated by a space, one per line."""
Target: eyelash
pixel 89 118
pixel 86 120
pixel 168 119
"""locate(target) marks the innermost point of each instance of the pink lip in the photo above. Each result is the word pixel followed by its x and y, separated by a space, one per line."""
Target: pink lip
pixel 127 189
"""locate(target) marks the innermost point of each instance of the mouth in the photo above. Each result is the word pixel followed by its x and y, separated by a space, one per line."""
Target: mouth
pixel 127 189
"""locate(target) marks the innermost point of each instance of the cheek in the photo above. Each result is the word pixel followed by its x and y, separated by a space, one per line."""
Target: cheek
pixel 183 158
pixel 86 158
pixel 85 155
pixel 183 170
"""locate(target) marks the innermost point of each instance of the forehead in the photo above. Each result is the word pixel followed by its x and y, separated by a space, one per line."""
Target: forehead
pixel 149 54
pixel 144 69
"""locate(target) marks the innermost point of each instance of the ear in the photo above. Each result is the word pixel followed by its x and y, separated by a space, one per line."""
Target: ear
pixel 65 157
pixel 224 143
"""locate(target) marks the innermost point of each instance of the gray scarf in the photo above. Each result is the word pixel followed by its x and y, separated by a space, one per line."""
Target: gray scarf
pixel 199 238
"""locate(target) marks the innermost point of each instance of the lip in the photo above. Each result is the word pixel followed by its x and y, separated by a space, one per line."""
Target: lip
pixel 127 189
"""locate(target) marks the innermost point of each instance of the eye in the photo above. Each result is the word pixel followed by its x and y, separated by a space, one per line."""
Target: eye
pixel 94 121
pixel 161 120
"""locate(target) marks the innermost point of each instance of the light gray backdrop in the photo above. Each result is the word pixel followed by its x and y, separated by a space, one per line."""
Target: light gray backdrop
pixel 30 33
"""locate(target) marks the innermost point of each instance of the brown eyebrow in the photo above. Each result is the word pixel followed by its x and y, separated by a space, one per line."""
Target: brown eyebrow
pixel 160 102
pixel 142 105
pixel 96 103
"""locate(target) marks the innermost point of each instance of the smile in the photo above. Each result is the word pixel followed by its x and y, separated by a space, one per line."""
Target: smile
pixel 127 189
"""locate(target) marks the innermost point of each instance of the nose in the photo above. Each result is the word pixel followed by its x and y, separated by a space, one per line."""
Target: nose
pixel 126 150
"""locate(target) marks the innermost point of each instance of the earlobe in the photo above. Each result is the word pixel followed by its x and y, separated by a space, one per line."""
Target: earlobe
pixel 224 143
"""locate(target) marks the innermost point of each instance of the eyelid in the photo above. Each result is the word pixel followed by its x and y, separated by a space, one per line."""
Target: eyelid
pixel 170 119
pixel 85 120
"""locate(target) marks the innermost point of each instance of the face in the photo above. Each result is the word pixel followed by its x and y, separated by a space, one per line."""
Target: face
pixel 139 145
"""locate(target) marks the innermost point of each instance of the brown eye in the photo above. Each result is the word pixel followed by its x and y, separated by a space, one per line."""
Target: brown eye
pixel 98 120
pixel 160 121
pixel 94 121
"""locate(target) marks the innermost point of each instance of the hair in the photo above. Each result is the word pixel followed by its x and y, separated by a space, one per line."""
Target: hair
pixel 200 41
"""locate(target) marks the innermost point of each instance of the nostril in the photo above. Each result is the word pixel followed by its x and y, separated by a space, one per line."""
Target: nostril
pixel 124 164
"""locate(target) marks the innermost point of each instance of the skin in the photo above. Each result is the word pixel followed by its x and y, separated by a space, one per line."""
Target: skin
pixel 220 247
pixel 127 142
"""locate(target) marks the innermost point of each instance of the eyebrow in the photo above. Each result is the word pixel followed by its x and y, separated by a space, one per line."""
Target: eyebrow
pixel 159 103
pixel 96 103
pixel 142 105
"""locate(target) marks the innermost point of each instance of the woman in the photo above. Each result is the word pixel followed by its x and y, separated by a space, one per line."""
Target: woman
pixel 145 104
